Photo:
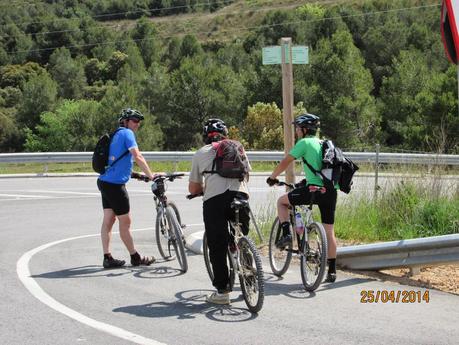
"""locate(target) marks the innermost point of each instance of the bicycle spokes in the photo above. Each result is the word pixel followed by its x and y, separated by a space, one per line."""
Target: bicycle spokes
pixel 314 257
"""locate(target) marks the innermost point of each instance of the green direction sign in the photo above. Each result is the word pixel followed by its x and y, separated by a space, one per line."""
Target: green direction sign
pixel 300 55
pixel 272 55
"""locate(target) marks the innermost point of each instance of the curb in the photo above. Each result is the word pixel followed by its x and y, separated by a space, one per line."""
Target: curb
pixel 194 242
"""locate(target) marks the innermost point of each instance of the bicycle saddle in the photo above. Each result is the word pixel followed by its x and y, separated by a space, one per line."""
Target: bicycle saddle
pixel 239 203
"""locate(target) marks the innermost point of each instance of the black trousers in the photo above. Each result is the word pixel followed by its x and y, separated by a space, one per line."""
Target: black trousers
pixel 216 213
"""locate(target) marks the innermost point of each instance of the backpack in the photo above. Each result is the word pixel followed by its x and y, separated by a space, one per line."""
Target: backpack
pixel 336 168
pixel 230 160
pixel 101 151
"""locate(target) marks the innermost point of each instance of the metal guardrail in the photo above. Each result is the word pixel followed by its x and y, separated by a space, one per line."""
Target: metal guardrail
pixel 412 253
pixel 177 156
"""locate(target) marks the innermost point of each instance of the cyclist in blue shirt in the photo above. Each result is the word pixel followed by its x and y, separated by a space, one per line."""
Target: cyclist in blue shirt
pixel 112 186
pixel 308 147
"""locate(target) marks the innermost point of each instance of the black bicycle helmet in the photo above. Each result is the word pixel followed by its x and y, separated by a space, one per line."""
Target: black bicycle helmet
pixel 212 128
pixel 127 114
pixel 309 121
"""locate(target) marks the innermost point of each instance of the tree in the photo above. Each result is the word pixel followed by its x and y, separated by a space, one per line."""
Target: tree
pixel 133 70
pixel 17 75
pixel 39 95
pixel 172 54
pixel 190 47
pixel 200 89
pixel 93 70
pixel 113 65
pixel 419 105
pixel 263 127
pixel 11 137
pixel 68 74
pixel 71 127
pixel 16 43
pixel 144 34
pixel 337 88
pixel 122 96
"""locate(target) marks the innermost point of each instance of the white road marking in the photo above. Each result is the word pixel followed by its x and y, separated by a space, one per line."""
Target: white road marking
pixel 63 192
pixel 23 272
pixel 25 196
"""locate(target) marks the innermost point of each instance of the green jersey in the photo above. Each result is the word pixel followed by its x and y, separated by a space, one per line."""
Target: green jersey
pixel 310 149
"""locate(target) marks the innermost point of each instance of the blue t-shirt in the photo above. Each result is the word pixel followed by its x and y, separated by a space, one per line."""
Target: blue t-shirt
pixel 123 140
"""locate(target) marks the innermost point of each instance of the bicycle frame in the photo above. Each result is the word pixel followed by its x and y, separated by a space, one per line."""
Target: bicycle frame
pixel 168 229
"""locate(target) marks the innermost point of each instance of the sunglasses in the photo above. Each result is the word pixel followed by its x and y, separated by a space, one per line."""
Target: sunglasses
pixel 135 120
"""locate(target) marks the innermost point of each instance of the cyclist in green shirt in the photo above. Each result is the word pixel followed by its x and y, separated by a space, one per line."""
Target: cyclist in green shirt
pixel 309 147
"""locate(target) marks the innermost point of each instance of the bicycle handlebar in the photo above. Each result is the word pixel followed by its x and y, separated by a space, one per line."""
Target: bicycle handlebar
pixel 192 196
pixel 312 188
pixel 169 176
pixel 281 183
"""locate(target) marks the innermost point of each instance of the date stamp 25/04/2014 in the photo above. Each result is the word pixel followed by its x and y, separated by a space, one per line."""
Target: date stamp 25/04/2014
pixel 394 296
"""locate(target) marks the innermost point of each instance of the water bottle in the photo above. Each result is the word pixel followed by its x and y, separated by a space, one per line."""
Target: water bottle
pixel 299 226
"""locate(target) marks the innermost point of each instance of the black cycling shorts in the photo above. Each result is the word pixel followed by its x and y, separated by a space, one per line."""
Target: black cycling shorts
pixel 326 202
pixel 114 196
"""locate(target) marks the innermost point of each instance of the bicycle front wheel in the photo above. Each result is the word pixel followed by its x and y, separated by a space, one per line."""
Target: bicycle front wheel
pixel 314 258
pixel 176 211
pixel 164 235
pixel 279 258
pixel 177 238
pixel 210 271
pixel 251 275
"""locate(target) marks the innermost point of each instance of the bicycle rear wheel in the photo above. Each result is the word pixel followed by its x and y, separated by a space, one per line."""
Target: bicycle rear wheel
pixel 279 259
pixel 210 271
pixel 251 275
pixel 177 238
pixel 314 258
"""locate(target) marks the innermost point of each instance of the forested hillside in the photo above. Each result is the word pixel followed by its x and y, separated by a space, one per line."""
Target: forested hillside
pixel 377 72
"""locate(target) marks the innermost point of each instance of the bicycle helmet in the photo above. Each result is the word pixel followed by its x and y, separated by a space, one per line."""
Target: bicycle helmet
pixel 127 114
pixel 213 130
pixel 308 121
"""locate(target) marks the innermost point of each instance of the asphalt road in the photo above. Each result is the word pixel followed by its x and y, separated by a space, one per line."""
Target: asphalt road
pixel 56 292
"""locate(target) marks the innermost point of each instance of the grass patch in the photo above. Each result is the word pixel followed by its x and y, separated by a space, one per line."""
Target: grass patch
pixel 408 210
pixel 39 168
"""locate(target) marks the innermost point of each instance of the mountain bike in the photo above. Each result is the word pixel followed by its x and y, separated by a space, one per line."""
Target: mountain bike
pixel 244 260
pixel 168 227
pixel 310 245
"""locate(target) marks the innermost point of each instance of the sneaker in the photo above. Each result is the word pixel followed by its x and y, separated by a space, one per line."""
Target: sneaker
pixel 331 277
pixel 284 241
pixel 113 263
pixel 143 260
pixel 218 298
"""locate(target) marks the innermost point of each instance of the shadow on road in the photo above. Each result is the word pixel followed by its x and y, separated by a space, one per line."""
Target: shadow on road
pixel 189 305
pixel 274 286
pixel 145 272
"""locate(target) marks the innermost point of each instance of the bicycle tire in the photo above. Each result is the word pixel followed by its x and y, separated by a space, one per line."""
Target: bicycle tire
pixel 251 275
pixel 314 258
pixel 177 213
pixel 164 235
pixel 279 259
pixel 210 272
pixel 177 239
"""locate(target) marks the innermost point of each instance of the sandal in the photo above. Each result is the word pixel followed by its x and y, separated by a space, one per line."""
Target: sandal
pixel 143 260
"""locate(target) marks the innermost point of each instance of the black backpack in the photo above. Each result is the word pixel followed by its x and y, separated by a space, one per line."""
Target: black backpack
pixel 336 168
pixel 230 160
pixel 100 155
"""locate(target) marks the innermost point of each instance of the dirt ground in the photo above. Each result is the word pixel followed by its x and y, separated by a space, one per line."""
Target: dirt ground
pixel 444 278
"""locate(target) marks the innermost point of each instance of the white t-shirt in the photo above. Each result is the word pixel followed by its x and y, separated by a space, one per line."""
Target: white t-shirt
pixel 214 184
